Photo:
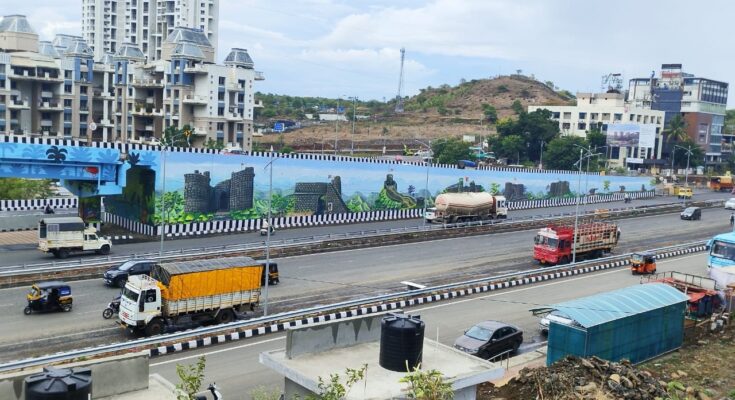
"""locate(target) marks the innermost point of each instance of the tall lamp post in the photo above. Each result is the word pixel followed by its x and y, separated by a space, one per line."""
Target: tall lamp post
pixel 689 153
pixel 579 188
pixel 426 188
pixel 268 232
pixel 336 127
pixel 352 137
pixel 541 155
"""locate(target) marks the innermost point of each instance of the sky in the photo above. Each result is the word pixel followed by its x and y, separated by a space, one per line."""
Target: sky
pixel 333 48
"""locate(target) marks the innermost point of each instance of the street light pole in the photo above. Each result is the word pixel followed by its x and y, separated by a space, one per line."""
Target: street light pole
pixel 541 155
pixel 268 236
pixel 689 153
pixel 576 214
pixel 336 127
pixel 426 188
pixel 163 195
pixel 352 138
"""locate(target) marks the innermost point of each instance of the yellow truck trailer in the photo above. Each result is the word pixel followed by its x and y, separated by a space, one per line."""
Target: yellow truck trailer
pixel 190 292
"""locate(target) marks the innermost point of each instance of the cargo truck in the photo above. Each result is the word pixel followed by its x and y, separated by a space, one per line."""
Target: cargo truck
pixel 469 206
pixel 62 236
pixel 721 183
pixel 554 244
pixel 190 293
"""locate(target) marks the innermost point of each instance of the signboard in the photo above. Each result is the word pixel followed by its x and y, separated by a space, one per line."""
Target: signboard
pixel 631 135
pixel 92 126
pixel 279 127
pixel 631 160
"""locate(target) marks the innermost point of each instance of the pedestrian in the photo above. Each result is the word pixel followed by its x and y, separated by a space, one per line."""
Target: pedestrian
pixel 48 209
pixel 732 219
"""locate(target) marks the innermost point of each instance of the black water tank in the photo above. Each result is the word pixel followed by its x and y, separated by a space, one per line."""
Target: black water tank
pixel 59 384
pixel 401 341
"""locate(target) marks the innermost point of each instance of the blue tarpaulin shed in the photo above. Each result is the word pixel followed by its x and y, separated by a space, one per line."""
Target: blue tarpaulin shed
pixel 634 323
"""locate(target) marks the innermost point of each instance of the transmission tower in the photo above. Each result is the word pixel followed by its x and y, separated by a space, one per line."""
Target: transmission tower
pixel 399 96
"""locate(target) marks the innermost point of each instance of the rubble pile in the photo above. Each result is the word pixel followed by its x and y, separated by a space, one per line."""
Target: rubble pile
pixel 582 379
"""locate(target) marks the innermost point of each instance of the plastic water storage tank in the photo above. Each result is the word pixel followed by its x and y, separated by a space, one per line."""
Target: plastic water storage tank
pixel 401 341
pixel 59 384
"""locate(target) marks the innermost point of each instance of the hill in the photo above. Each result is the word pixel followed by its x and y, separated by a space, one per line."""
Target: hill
pixel 434 112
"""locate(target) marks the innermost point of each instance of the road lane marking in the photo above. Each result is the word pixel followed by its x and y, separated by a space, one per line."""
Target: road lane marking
pixel 624 269
pixel 218 351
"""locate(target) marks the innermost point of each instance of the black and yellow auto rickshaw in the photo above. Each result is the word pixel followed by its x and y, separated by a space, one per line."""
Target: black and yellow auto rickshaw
pixel 49 296
pixel 273 278
pixel 643 263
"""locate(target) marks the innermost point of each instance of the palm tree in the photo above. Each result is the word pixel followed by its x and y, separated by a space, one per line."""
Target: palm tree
pixel 677 129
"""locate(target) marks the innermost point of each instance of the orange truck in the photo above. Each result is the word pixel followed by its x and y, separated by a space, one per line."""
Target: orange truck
pixel 721 183
pixel 190 292
pixel 554 244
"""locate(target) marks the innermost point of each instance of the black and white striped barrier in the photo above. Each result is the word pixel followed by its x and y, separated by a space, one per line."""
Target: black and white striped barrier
pixel 593 199
pixel 488 287
pixel 129 224
pixel 39 204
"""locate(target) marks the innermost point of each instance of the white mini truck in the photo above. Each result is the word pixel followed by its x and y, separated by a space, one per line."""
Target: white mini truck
pixel 62 236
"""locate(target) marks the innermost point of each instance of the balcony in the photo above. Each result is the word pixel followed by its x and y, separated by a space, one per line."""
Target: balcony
pixel 47 94
pixel 196 69
pixel 46 123
pixel 233 117
pixel 234 86
pixel 196 100
pixel 106 123
pixel 84 110
pixel 147 112
pixel 174 116
pixel 259 76
pixel 258 104
pixel 19 105
pixel 150 100
pixel 51 106
pixel 147 83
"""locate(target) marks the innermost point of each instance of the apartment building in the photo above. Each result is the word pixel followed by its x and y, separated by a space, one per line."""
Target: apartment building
pixel 57 89
pixel 599 110
pixel 107 24
pixel 700 101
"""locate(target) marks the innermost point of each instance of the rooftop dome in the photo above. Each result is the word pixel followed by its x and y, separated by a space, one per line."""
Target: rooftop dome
pixel 47 49
pixel 239 58
pixel 195 36
pixel 130 51
pixel 186 49
pixel 63 42
pixel 79 49
pixel 106 58
pixel 15 23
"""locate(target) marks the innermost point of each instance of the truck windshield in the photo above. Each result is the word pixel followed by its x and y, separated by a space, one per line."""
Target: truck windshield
pixel 723 250
pixel 546 241
pixel 130 295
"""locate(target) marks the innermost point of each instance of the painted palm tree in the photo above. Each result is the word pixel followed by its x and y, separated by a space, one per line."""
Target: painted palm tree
pixel 677 129
pixel 7 147
pixel 56 154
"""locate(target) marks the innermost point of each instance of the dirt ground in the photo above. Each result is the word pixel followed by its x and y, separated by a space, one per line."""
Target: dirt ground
pixel 703 369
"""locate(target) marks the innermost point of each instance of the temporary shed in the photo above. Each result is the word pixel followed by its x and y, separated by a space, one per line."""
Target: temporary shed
pixel 635 323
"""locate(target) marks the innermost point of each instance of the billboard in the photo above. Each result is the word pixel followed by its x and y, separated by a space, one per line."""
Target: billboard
pixel 631 135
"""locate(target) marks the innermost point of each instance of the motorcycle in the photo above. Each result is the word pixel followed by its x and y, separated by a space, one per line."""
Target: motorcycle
pixel 215 392
pixel 112 308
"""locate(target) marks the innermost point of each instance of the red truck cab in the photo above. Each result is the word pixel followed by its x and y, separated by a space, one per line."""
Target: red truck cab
pixel 553 246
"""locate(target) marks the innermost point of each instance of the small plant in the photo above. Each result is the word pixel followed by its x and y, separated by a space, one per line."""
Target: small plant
pixel 336 390
pixel 191 377
pixel 427 385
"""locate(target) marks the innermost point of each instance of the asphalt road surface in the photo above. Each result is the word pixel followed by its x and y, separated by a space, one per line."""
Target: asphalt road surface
pixel 236 369
pixel 328 277
pixel 18 255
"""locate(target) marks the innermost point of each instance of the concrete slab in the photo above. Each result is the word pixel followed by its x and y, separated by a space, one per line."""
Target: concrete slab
pixel 514 365
pixel 158 389
pixel 462 371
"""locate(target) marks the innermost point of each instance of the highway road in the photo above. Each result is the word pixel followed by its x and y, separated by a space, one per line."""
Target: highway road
pixel 18 255
pixel 327 277
pixel 236 369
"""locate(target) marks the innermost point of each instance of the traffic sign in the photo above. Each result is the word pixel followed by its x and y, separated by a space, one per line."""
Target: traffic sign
pixel 92 126
pixel 279 127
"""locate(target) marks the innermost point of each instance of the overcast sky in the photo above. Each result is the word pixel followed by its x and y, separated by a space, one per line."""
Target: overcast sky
pixel 337 48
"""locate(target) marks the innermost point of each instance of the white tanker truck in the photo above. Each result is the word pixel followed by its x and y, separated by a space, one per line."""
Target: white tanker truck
pixel 468 206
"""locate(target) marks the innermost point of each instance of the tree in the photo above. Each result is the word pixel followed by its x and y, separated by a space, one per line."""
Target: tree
pixel 173 136
pixel 562 154
pixel 676 130
pixel 534 128
pixel 449 151
pixel 491 114
pixel 517 107
pixel 191 377
pixel 214 144
pixel 680 155
pixel 511 147
pixel 596 138
pixel 22 189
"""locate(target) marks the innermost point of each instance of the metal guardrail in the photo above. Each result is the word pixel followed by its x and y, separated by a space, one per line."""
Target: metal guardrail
pixel 317 310
pixel 284 243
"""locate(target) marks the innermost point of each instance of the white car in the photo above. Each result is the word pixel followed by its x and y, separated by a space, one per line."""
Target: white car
pixel 730 204
pixel 555 316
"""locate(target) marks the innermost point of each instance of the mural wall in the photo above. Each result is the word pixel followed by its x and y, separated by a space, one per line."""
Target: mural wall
pixel 205 187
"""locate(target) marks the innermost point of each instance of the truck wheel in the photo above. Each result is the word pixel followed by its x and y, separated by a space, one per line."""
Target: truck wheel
pixel 155 327
pixel 63 253
pixel 104 250
pixel 225 316
pixel 55 253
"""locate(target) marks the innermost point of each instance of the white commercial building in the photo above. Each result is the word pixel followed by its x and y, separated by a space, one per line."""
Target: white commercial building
pixel 107 24
pixel 600 110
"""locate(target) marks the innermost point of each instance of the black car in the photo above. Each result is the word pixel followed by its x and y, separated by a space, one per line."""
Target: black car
pixel 490 338
pixel 692 213
pixel 117 276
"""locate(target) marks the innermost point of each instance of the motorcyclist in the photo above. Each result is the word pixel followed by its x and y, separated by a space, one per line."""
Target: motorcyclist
pixel 627 198
pixel 48 209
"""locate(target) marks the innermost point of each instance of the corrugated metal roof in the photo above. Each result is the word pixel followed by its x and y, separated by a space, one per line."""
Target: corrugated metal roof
pixel 15 23
pixel 183 267
pixel 605 307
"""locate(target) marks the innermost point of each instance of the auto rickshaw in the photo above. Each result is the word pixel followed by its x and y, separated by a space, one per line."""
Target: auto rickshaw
pixel 264 229
pixel 49 296
pixel 643 263
pixel 273 278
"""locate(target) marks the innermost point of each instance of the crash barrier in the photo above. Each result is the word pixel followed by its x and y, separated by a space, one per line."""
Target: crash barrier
pixel 111 376
pixel 230 226
pixel 205 336
pixel 39 204
pixel 87 268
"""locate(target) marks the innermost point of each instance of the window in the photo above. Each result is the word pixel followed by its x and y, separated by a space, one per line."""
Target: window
pixel 221 80
pixel 594 116
pixel 220 126
pixel 221 96
pixel 567 115
pixel 583 115
pixel 581 126
pixel 67 88
pixel 220 111
pixel 618 117
pixel 67 102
